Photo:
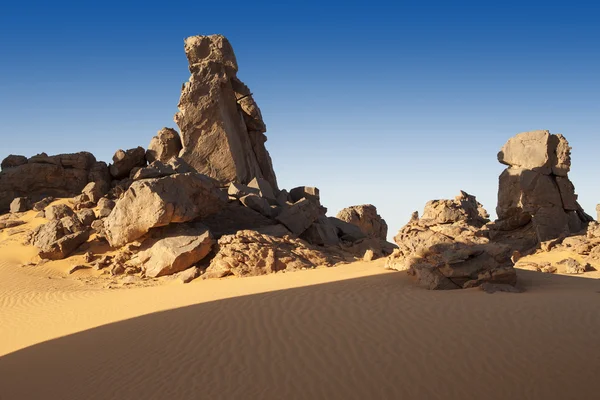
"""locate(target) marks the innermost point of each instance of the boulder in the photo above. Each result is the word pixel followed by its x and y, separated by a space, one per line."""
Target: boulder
pixel 86 217
pixel 105 206
pixel 42 204
pixel 20 204
pixel 58 211
pixel 535 189
pixel 152 203
pixel 177 248
pixel 164 146
pixel 264 189
pixel 94 191
pixel 63 175
pixel 13 161
pixel 258 204
pixel 59 238
pixel 125 161
pixel 572 266
pixel 158 169
pixel 298 217
pixel 322 232
pixel 249 253
pixel 347 231
pixel 222 130
pixel 188 275
pixel 301 192
pixel 449 249
pixel 366 218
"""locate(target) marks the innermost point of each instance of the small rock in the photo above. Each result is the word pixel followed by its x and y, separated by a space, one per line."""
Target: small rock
pixel 369 255
pixel 88 257
pixel 19 204
pixel 77 268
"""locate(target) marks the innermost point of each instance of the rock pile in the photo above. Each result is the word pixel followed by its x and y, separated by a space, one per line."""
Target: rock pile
pixel 203 202
pixel 448 248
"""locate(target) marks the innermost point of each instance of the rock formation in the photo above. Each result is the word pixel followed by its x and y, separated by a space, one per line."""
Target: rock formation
pixel 221 126
pixel 63 175
pixel 535 190
pixel 366 218
pixel 164 146
pixel 448 249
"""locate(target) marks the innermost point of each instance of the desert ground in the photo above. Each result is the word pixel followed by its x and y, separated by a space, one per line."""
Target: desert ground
pixel 355 331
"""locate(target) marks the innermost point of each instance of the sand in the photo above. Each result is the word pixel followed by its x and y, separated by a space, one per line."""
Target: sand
pixel 350 332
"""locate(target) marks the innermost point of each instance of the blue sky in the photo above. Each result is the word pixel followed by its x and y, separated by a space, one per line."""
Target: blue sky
pixel 389 103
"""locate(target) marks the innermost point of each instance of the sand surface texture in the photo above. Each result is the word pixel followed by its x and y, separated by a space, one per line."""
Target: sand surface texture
pixel 350 332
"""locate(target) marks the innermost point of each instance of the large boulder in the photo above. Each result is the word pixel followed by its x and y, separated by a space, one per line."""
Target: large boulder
pixel 164 146
pixel 249 253
pixel 535 189
pixel 63 175
pixel 366 218
pixel 449 249
pixel 58 211
pixel 124 161
pixel 175 249
pixel 152 203
pixel 58 239
pixel 221 126
pixel 299 216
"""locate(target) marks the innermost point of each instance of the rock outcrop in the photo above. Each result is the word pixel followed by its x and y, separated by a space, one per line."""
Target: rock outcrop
pixel 448 249
pixel 59 238
pixel 535 189
pixel 249 253
pixel 366 218
pixel 63 175
pixel 164 146
pixel 221 126
pixel 152 203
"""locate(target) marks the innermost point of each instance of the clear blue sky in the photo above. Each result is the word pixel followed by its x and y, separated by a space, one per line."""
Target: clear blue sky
pixel 390 103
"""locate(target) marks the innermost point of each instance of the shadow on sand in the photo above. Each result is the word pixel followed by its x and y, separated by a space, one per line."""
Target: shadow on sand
pixel 377 337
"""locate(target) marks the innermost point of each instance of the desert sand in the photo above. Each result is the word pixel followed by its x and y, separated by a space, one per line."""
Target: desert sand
pixel 355 331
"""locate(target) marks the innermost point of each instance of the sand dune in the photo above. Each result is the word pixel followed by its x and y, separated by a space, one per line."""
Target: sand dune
pixel 351 332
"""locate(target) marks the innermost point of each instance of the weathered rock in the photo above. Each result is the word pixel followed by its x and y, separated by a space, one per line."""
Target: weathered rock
pixel 347 231
pixel 10 224
pixel 86 217
pixel 258 204
pixel 152 203
pixel 369 255
pixel 249 253
pixel 304 192
pixel 59 238
pixel 366 218
pixel 177 248
pixel 58 211
pixel 64 175
pixel 13 161
pixel 535 188
pixel 78 268
pixel 221 126
pixel 125 161
pixel 264 188
pixel 158 169
pixel 94 191
pixel 188 275
pixel 572 266
pixel 238 190
pixel 105 206
pixel 20 204
pixel 448 250
pixel 322 232
pixel 42 204
pixel 298 217
pixel 164 146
